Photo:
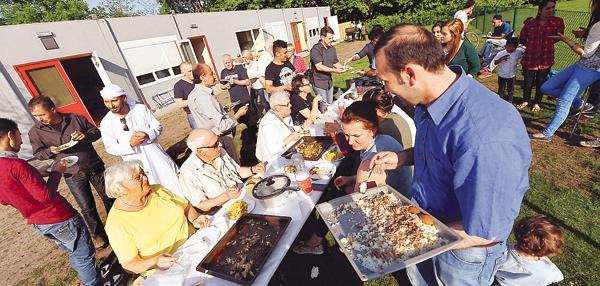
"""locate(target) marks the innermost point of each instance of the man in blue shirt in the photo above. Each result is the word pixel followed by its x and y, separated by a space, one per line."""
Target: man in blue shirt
pixel 471 155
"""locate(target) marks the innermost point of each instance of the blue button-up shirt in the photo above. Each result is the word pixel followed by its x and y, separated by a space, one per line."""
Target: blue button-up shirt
pixel 472 156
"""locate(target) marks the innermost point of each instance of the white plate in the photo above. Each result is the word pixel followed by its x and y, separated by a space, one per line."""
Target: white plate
pixel 250 201
pixel 71 160
pixel 67 145
pixel 335 147
pixel 326 171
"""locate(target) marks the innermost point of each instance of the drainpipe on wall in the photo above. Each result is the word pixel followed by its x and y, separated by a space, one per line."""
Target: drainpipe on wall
pixel 285 22
pixel 136 87
pixel 176 25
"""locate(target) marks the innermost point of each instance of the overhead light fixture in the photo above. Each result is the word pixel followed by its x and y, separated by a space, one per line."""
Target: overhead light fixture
pixel 48 40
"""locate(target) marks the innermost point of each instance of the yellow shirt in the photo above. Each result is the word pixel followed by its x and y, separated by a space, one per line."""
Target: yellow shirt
pixel 159 227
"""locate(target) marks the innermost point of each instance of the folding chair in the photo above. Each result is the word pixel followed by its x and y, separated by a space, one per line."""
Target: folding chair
pixel 577 116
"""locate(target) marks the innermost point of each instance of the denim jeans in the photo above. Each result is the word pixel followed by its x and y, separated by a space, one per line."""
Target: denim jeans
pixel 191 121
pixel 531 77
pixel 72 236
pixel 489 50
pixel 567 85
pixel 327 94
pixel 79 185
pixel 260 100
pixel 465 267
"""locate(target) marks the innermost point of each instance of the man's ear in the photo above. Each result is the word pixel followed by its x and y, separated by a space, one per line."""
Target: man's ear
pixel 409 75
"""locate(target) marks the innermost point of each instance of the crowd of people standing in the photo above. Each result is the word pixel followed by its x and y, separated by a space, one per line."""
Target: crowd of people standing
pixel 467 164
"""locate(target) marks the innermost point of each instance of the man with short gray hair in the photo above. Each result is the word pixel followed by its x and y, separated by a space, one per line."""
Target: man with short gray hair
pixel 276 127
pixel 209 177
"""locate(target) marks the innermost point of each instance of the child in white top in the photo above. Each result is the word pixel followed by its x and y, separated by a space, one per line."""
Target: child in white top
pixel 507 61
pixel 527 263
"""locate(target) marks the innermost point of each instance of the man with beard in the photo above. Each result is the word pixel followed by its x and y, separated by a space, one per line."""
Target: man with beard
pixel 131 131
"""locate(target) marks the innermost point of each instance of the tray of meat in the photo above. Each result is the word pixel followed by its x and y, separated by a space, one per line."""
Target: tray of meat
pixel 381 231
pixel 310 147
pixel 241 253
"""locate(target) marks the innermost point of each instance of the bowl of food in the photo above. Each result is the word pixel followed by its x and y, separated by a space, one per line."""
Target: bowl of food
pixel 237 209
pixel 322 171
pixel 332 155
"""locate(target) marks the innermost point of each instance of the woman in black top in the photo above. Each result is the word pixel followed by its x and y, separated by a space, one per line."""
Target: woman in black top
pixel 305 106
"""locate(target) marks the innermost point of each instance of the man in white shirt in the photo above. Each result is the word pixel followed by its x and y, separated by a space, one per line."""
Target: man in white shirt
pixel 464 14
pixel 209 177
pixel 276 128
pixel 131 131
pixel 256 74
pixel 265 58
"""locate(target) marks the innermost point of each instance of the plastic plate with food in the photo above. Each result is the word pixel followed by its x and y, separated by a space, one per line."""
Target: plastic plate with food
pixel 67 145
pixel 322 171
pixel 236 208
pixel 69 160
pixel 332 155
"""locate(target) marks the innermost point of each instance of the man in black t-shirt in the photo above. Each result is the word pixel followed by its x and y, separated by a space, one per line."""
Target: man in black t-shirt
pixel 182 90
pixel 279 73
pixel 237 84
pixel 324 62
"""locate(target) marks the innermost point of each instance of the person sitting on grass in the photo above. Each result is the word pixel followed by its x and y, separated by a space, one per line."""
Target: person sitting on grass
pixel 507 61
pixel 528 263
pixel 23 188
pixel 147 223
pixel 496 41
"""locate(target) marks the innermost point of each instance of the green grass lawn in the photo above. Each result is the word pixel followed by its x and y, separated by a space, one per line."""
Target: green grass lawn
pixel 574 5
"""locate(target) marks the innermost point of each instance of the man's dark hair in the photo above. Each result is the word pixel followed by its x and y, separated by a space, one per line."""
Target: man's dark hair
pixel 497 17
pixel 279 44
pixel 469 4
pixel 408 43
pixel 375 34
pixel 7 125
pixel 512 41
pixel 326 30
pixel 44 101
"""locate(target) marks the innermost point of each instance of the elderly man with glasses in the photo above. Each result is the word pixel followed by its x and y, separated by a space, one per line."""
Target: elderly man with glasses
pixel 210 177
pixel 276 127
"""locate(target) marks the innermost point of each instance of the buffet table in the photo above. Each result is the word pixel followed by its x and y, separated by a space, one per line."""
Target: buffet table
pixel 298 205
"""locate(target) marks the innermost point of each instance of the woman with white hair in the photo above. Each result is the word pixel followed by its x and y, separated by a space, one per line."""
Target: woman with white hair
pixel 276 128
pixel 147 223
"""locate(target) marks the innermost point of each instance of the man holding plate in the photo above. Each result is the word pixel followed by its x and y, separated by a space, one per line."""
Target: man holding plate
pixel 56 136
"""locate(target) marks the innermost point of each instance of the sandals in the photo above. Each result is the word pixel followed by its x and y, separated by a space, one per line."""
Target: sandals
pixel 539 137
pixel 522 105
pixel 536 108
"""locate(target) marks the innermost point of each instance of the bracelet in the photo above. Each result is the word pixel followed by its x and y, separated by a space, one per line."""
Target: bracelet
pixel 252 170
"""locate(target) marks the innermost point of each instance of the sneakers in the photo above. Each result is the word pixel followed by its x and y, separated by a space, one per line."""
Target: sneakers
pixel 591 143
pixel 484 74
pixel 539 137
pixel 583 109
pixel 301 248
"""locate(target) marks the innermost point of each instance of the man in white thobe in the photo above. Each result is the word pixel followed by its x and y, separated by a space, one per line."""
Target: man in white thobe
pixel 131 131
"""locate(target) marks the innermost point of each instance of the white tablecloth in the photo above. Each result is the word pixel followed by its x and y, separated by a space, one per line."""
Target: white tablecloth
pixel 298 206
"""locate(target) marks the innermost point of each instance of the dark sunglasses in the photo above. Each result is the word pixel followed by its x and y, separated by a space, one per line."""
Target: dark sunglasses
pixel 211 146
pixel 124 123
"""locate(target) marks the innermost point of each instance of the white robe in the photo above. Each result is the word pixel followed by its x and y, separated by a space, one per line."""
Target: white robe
pixel 159 167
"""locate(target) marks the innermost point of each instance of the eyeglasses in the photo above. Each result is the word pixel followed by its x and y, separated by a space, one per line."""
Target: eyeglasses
pixel 285 105
pixel 211 146
pixel 306 84
pixel 140 176
pixel 124 123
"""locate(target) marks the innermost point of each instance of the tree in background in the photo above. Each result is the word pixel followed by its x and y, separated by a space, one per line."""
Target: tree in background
pixel 14 12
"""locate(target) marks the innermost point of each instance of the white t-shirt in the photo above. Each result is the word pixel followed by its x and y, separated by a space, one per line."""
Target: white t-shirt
pixel 509 67
pixel 461 15
pixel 521 271
pixel 271 132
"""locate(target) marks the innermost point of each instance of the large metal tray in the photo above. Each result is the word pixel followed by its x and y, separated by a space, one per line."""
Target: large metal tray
pixel 325 141
pixel 345 227
pixel 230 247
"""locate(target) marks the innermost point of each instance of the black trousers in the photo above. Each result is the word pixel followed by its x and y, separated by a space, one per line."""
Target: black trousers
pixel 537 78
pixel 249 135
pixel 594 98
pixel 507 84
pixel 79 185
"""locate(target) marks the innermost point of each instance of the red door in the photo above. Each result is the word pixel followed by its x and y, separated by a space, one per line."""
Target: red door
pixel 296 37
pixel 50 79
